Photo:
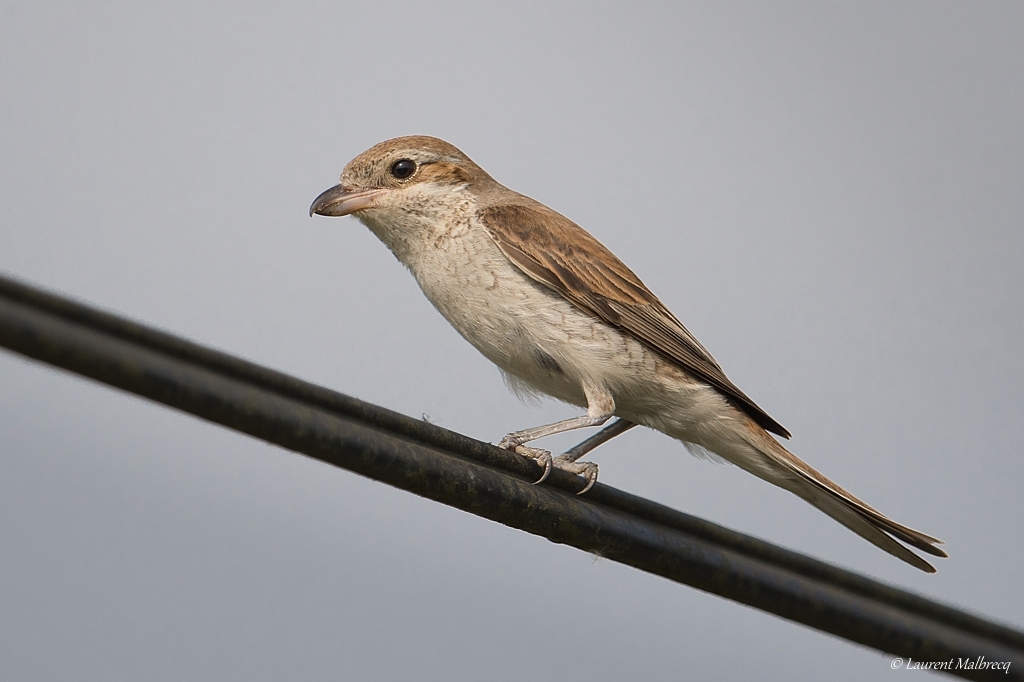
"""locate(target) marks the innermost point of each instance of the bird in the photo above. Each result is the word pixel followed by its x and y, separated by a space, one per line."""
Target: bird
pixel 562 316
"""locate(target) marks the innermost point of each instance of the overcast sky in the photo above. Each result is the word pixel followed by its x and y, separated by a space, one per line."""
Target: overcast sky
pixel 828 195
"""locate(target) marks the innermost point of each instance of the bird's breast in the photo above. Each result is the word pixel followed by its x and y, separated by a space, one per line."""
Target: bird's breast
pixel 482 294
pixel 526 329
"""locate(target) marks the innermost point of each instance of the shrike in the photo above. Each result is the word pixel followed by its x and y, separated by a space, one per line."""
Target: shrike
pixel 561 315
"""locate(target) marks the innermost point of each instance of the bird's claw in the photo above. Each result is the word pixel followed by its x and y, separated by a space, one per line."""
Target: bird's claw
pixel 542 457
pixel 587 470
pixel 590 474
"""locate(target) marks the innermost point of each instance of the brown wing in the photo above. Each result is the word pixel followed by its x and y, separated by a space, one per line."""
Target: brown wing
pixel 554 251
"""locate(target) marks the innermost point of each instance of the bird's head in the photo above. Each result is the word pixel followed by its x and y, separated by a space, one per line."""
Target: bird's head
pixel 399 175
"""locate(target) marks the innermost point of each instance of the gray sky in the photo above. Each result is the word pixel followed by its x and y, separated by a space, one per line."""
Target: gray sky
pixel 829 196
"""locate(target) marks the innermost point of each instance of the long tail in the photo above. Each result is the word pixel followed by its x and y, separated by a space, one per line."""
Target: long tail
pixel 777 465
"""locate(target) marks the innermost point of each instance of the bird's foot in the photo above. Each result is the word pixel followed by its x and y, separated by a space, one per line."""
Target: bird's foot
pixel 542 457
pixel 566 462
pixel 587 470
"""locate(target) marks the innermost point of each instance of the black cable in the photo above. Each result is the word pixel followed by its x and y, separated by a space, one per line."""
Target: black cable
pixel 490 482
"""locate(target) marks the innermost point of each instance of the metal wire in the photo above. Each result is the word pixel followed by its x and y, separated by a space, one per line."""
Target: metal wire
pixel 484 480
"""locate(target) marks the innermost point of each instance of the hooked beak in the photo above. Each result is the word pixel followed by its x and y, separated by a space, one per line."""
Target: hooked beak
pixel 339 200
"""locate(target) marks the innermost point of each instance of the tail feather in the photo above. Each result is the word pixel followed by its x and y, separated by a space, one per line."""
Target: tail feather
pixel 846 515
pixel 781 467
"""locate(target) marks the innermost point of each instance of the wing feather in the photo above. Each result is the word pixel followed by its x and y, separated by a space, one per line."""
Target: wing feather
pixel 556 252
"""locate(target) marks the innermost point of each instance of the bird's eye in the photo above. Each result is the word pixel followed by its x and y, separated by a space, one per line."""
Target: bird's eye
pixel 403 168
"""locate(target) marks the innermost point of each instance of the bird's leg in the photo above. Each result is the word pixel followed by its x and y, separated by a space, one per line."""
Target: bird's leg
pixel 618 427
pixel 600 407
pixel 567 460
